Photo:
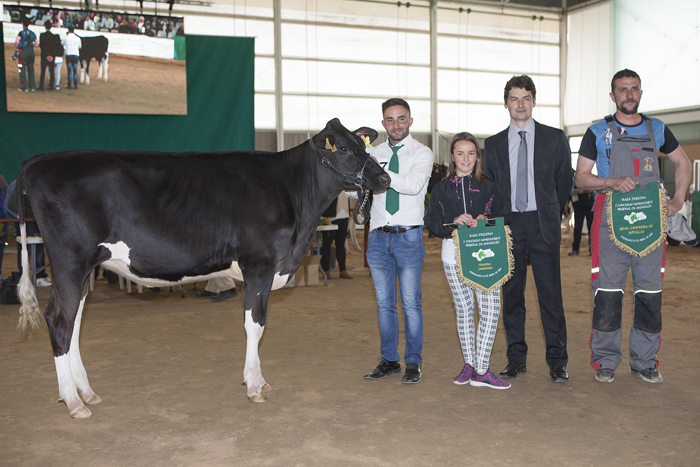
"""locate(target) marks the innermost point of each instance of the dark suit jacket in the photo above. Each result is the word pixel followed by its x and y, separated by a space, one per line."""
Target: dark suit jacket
pixel 50 44
pixel 553 175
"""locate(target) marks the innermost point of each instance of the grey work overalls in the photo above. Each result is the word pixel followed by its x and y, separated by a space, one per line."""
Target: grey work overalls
pixel 635 157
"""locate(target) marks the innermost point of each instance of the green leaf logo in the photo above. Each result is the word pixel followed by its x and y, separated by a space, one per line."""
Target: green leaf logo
pixel 482 254
pixel 634 217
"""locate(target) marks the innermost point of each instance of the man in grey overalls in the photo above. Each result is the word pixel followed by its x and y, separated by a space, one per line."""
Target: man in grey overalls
pixel 624 148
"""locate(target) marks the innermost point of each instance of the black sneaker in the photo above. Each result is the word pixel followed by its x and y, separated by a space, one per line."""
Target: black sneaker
pixel 207 294
pixel 605 375
pixel 384 369
pixel 224 294
pixel 650 375
pixel 413 373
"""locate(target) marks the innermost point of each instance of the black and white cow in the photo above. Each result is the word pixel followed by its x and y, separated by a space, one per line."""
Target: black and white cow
pixel 94 47
pixel 253 215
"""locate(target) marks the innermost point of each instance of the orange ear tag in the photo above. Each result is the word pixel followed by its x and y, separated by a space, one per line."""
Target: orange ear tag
pixel 328 146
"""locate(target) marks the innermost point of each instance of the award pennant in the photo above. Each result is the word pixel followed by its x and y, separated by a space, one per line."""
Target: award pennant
pixel 484 255
pixel 637 219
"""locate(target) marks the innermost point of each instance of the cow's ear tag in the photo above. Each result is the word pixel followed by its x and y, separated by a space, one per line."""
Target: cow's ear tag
pixel 367 141
pixel 328 146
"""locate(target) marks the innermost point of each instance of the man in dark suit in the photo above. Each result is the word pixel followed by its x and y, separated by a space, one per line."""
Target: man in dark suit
pixel 49 44
pixel 531 165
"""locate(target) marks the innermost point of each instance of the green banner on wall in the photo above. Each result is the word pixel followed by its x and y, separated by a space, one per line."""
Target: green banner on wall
pixel 484 255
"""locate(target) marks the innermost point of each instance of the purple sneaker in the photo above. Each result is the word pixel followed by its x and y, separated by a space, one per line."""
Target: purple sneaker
pixel 465 376
pixel 489 380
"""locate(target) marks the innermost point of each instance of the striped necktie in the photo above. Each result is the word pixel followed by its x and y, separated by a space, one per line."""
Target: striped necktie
pixel 521 176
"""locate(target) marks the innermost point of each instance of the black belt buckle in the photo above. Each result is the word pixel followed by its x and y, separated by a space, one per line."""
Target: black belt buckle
pixel 396 228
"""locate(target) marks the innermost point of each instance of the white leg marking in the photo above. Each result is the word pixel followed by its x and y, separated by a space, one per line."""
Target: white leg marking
pixel 76 363
pixel 104 76
pixel 251 373
pixel 120 251
pixel 279 281
pixel 66 388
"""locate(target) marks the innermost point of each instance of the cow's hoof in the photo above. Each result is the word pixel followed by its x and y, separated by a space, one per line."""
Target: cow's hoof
pixel 257 397
pixel 266 388
pixel 92 400
pixel 81 412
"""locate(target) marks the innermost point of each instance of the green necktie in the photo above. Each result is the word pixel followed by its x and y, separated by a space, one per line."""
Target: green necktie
pixel 392 197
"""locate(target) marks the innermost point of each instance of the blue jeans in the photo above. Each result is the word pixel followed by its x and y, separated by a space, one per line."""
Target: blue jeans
pixel 72 64
pixel 390 255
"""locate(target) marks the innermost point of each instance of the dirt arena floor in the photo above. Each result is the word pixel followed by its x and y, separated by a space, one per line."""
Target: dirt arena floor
pixel 169 372
pixel 137 85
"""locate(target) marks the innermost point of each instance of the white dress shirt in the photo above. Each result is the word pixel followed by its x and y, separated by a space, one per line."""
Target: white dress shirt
pixel 411 182
pixel 513 147
pixel 72 44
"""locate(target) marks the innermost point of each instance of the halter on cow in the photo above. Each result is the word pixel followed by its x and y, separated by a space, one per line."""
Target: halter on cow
pixel 254 215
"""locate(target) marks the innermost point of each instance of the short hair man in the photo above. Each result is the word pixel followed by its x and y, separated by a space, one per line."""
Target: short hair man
pixel 25 42
pixel 621 165
pixel 50 45
pixel 395 247
pixel 531 165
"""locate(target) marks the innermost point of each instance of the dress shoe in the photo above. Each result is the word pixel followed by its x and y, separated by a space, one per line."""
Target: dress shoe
pixel 224 294
pixel 559 374
pixel 207 294
pixel 384 369
pixel 513 369
pixel 413 373
pixel 328 274
pixel 345 275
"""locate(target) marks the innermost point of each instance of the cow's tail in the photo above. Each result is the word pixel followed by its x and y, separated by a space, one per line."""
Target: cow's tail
pixel 29 313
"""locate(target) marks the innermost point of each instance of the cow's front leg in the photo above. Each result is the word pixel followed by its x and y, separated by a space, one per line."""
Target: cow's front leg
pixel 105 77
pixel 255 295
pixel 252 375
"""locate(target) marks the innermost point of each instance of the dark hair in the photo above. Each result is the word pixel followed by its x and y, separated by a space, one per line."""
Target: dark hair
pixel 478 167
pixel 71 29
pixel 626 73
pixel 395 101
pixel 523 82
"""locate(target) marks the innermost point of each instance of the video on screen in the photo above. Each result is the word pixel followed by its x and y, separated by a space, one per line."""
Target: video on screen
pixel 78 61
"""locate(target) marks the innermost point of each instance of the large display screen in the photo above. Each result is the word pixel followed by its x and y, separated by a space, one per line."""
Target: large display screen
pixel 102 62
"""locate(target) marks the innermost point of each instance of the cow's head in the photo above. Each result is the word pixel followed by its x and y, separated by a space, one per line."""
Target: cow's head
pixel 344 154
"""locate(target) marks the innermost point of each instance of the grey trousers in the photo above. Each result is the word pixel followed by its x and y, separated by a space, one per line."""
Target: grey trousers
pixel 609 275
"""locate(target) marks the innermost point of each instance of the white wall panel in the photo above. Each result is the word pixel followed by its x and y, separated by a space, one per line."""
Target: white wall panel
pixel 588 66
pixel 660 40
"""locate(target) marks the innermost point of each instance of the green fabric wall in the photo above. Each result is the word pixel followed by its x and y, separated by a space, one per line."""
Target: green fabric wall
pixel 220 73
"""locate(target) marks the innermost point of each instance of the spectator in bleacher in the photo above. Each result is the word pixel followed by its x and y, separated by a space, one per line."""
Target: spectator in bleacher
pixel 89 24
pixel 108 22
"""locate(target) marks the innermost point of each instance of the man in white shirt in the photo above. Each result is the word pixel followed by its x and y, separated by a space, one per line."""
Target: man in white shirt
pixel 72 45
pixel 395 246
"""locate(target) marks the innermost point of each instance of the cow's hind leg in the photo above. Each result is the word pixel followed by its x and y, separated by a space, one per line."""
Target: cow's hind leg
pixel 255 296
pixel 64 329
pixel 76 362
